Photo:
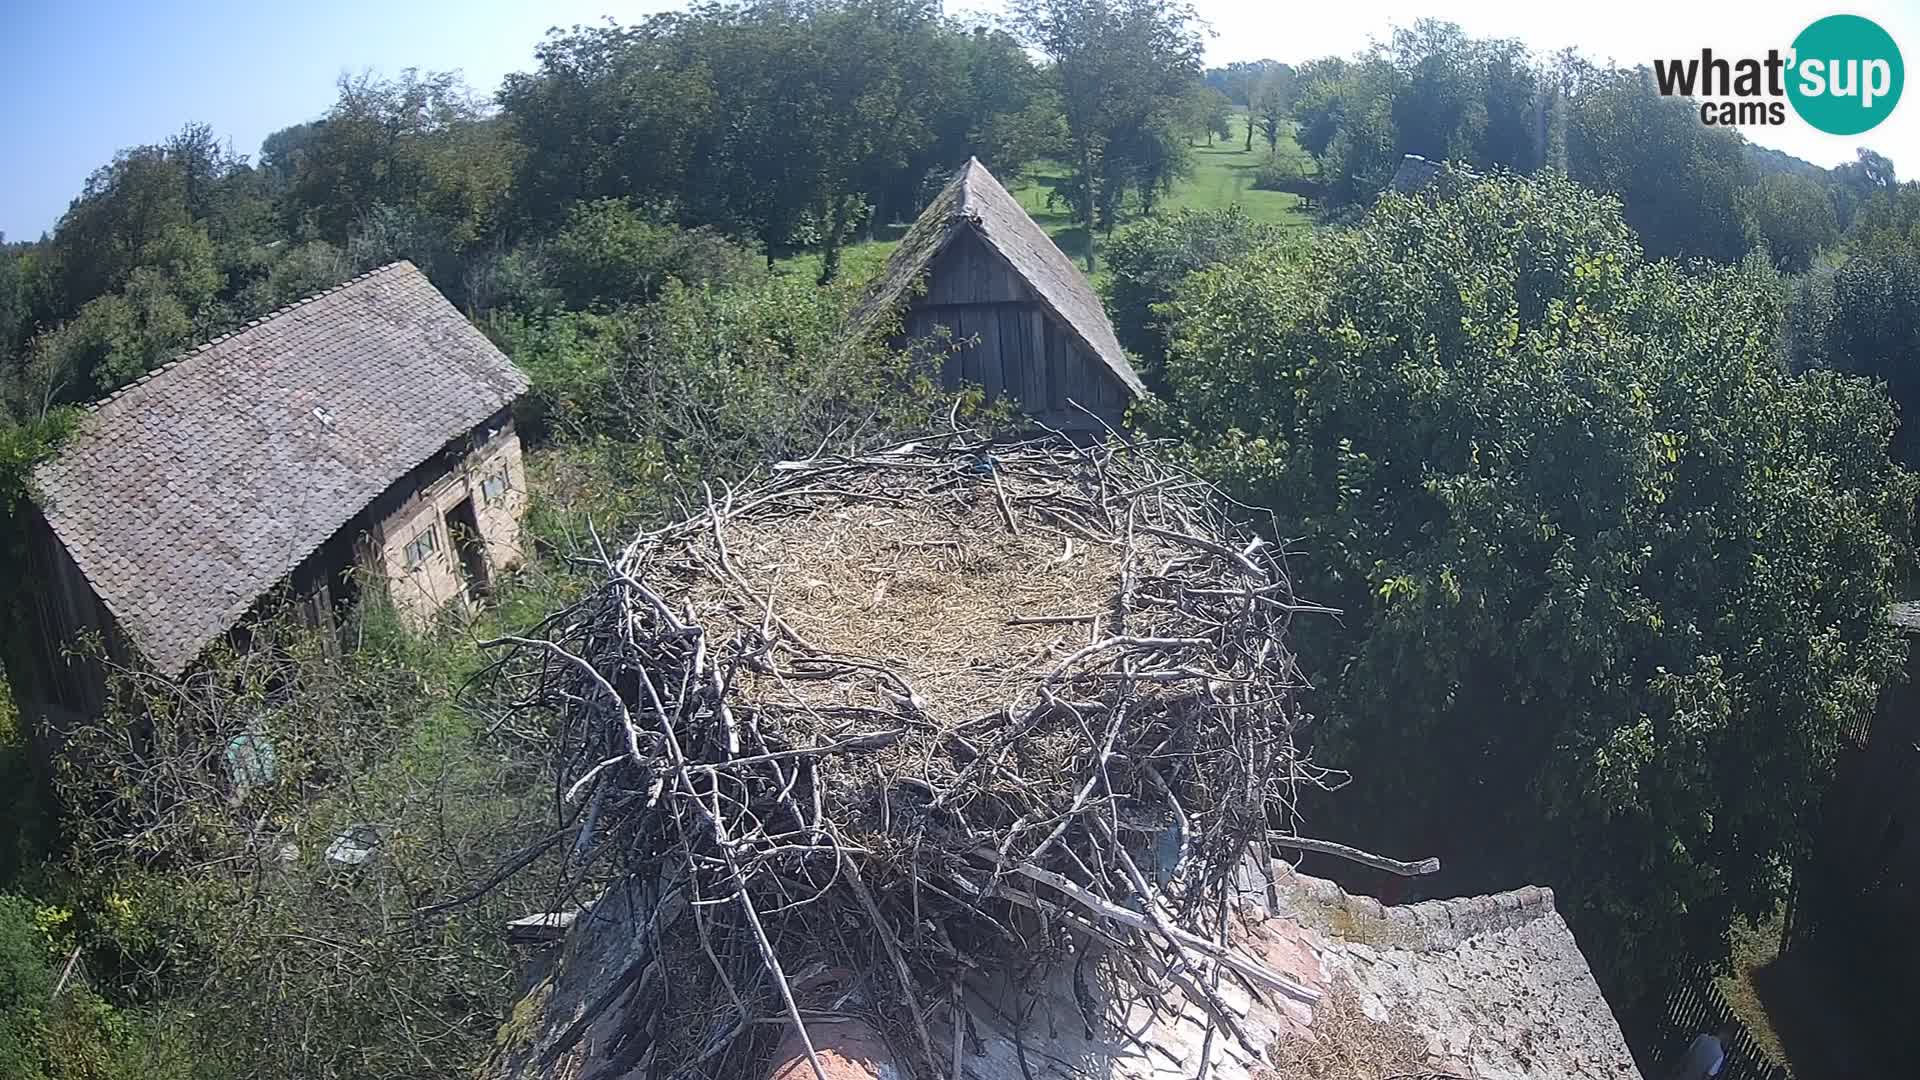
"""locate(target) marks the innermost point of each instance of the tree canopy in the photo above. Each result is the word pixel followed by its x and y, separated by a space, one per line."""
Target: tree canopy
pixel 1612 577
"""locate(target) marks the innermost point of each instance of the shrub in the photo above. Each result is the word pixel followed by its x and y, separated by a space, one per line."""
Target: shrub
pixel 1148 261
pixel 210 850
pixel 609 253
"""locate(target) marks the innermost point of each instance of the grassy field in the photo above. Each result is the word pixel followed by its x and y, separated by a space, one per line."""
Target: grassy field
pixel 1222 176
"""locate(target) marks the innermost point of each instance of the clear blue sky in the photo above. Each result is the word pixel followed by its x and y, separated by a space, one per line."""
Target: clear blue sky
pixel 82 79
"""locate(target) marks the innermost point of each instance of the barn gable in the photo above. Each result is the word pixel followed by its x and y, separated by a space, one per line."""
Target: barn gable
pixel 1025 323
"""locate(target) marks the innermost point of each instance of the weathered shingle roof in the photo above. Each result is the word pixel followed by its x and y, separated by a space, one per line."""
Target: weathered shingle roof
pixel 1414 173
pixel 189 494
pixel 974 200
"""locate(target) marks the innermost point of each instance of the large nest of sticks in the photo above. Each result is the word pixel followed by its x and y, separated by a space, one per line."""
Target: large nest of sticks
pixel 889 721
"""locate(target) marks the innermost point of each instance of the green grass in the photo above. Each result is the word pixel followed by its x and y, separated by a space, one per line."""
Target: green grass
pixel 1754 947
pixel 1222 176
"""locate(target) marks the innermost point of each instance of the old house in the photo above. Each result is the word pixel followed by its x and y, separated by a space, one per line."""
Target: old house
pixel 1024 324
pixel 360 435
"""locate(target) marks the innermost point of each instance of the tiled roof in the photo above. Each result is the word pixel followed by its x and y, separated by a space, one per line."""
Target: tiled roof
pixel 189 494
pixel 974 200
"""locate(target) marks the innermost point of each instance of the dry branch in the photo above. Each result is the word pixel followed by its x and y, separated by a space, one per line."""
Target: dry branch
pixel 1354 854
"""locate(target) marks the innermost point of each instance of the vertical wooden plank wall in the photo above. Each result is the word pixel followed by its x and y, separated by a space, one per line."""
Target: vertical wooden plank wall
pixel 1005 340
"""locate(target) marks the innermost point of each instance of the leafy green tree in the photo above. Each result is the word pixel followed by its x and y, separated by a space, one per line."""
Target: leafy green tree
pixel 281 151
pixel 1272 104
pixel 1859 180
pixel 609 253
pixel 164 304
pixel 124 207
pixel 1346 120
pixel 1676 176
pixel 1118 65
pixel 1439 109
pixel 1793 216
pixel 611 112
pixel 1863 318
pixel 1149 259
pixel 417 143
pixel 1612 578
pixel 295 271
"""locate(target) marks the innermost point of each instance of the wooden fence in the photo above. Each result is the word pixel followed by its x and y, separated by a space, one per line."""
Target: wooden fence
pixel 1698 1006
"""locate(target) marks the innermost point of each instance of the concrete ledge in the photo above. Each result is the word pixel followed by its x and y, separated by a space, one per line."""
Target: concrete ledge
pixel 1430 926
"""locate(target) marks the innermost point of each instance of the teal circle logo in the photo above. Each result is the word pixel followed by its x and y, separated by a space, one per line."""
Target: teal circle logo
pixel 1846 75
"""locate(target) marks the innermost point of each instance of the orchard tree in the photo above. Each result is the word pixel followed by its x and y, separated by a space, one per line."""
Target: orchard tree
pixel 1612 578
pixel 1272 104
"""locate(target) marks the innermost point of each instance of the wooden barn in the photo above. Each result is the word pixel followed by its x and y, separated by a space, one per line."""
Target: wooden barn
pixel 363 434
pixel 1025 325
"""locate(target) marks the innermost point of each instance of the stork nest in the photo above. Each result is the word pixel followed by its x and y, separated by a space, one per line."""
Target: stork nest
pixel 887 722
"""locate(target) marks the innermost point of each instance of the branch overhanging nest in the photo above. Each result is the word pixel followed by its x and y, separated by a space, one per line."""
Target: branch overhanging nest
pixel 891 721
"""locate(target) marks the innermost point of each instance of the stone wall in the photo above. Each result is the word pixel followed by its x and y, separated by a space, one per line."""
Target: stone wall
pixel 421 587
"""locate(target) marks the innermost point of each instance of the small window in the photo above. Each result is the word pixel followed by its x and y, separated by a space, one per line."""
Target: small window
pixel 422 546
pixel 494 488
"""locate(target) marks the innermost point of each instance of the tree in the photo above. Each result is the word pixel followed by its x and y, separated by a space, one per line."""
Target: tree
pixel 1676 176
pixel 1792 216
pixel 1149 259
pixel 1204 110
pixel 166 301
pixel 611 112
pixel 1859 180
pixel 609 254
pixel 1612 578
pixel 1863 318
pixel 1118 64
pixel 123 208
pixel 416 142
pixel 1272 105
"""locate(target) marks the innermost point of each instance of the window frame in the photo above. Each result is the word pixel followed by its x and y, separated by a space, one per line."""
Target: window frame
pixel 489 494
pixel 426 542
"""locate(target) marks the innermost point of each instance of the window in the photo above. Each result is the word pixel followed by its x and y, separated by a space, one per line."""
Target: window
pixel 494 488
pixel 420 547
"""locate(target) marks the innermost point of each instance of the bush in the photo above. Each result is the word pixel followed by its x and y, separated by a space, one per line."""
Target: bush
pixel 608 253
pixel 1149 260
pixel 1612 577
pixel 1288 169
pixel 713 382
pixel 209 850
pixel 75 1036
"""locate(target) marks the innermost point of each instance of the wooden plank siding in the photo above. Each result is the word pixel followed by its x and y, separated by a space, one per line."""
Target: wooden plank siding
pixel 65 609
pixel 1007 342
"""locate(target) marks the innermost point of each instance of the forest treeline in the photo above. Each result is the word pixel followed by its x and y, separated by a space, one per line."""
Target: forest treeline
pixel 679 144
pixel 1575 439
